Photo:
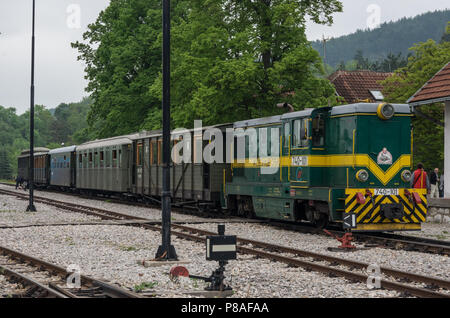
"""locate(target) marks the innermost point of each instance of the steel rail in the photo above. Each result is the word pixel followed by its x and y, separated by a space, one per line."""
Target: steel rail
pixel 394 241
pixel 38 290
pixel 388 284
pixel 411 290
pixel 107 289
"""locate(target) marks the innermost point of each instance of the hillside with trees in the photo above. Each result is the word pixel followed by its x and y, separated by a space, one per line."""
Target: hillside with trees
pixel 65 124
pixel 390 38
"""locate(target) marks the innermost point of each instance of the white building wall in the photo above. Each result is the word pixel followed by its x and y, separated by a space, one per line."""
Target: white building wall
pixel 447 151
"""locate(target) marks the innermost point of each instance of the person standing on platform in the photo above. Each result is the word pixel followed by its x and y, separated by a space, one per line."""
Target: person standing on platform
pixel 434 183
pixel 420 179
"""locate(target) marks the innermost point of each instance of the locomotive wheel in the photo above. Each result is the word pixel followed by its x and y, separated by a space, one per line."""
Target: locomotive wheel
pixel 240 209
pixel 322 222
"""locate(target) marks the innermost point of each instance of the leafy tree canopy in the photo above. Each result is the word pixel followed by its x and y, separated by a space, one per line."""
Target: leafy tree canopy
pixel 427 60
pixel 230 60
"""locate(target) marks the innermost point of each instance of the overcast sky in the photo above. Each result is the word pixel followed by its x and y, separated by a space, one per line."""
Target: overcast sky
pixel 60 77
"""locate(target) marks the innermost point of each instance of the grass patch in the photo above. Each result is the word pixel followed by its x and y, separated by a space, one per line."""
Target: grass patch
pixel 441 237
pixel 70 241
pixel 128 248
pixel 146 285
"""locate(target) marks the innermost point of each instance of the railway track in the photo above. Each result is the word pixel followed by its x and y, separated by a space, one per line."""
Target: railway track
pixel 394 241
pixel 40 279
pixel 403 282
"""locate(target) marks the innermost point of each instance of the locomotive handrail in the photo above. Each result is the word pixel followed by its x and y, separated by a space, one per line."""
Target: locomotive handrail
pixel 354 137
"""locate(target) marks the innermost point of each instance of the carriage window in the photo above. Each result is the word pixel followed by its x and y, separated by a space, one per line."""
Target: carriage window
pixel 153 153
pixel 80 160
pixel 96 159
pixel 318 133
pixel 114 158
pixel 102 158
pixel 108 158
pixel 197 149
pixel 159 152
pixel 90 158
pixel 287 132
pixel 139 155
pixel 120 158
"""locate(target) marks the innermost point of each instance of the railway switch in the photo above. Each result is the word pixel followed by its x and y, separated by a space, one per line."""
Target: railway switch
pixel 221 248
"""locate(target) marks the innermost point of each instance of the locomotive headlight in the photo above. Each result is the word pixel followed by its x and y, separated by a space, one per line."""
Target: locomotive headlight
pixel 385 111
pixel 406 176
pixel 362 175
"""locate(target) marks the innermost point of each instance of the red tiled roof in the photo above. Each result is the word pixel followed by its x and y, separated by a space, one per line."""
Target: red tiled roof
pixel 436 89
pixel 355 86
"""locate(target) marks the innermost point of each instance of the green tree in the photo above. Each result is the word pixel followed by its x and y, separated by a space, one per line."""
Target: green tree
pixel 6 171
pixel 123 58
pixel 446 35
pixel 238 59
pixel 427 60
pixel 231 60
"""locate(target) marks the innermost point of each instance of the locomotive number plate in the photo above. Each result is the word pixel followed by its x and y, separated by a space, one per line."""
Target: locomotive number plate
pixel 386 191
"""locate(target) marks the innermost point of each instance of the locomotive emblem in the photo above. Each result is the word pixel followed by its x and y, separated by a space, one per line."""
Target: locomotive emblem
pixel 384 157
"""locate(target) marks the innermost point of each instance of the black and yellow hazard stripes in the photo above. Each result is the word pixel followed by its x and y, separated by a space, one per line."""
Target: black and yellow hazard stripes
pixel 374 209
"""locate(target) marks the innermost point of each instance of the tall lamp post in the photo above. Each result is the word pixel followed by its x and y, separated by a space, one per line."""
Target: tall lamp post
pixel 166 251
pixel 31 207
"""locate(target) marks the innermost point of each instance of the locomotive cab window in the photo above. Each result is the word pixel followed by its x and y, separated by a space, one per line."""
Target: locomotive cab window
pixel 318 133
pixel 287 132
pixel 300 135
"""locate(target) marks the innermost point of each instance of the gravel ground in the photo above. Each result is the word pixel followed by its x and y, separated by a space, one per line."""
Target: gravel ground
pixel 149 213
pixel 431 230
pixel 12 213
pixel 421 263
pixel 112 253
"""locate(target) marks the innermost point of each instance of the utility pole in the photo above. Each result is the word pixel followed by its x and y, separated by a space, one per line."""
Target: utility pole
pixel 31 207
pixel 166 251
pixel 324 43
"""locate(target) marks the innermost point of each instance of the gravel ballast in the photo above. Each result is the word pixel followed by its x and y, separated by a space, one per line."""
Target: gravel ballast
pixel 112 253
pixel 115 253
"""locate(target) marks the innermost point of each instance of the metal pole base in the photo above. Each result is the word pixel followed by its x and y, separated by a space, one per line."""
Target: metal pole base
pixel 31 208
pixel 163 255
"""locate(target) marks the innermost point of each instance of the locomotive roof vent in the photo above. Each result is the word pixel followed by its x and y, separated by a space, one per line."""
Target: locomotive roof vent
pixel 385 111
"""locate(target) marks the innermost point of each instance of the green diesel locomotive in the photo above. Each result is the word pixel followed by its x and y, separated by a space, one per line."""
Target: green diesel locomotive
pixel 348 164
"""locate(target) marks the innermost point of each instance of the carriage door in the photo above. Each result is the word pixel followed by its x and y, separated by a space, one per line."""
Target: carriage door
pixel 139 165
pixel 285 152
pixel 299 173
pixel 318 148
